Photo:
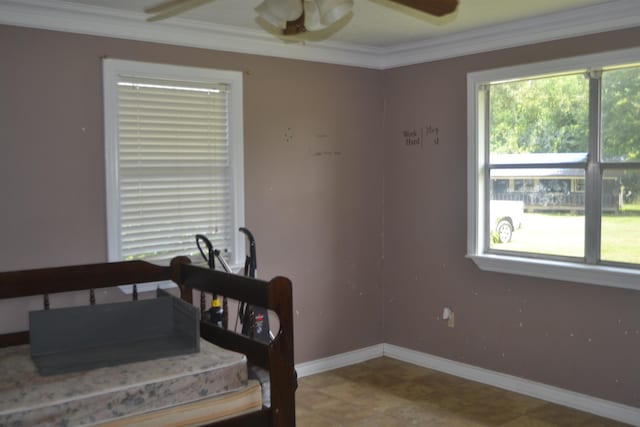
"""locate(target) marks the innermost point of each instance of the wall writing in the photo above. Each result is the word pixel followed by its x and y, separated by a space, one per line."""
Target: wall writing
pixel 428 134
pixel 326 144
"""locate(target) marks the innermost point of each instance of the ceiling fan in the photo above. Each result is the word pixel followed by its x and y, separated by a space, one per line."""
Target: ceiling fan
pixel 298 16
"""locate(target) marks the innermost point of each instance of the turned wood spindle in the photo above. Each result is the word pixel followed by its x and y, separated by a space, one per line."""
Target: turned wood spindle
pixel 225 313
pixel 203 304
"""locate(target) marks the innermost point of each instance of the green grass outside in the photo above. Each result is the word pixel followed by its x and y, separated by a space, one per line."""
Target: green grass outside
pixel 630 209
pixel 563 234
pixel 621 238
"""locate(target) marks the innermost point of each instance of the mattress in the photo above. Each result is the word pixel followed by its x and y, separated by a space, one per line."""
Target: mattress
pixel 115 393
pixel 199 412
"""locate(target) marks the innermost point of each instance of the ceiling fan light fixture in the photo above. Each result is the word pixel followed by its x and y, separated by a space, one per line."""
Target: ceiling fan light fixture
pixel 320 14
pixel 298 16
pixel 278 12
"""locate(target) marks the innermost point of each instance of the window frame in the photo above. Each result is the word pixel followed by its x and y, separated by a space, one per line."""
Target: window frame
pixel 112 69
pixel 477 179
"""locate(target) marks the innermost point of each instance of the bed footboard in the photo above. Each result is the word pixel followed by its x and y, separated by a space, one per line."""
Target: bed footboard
pixel 276 356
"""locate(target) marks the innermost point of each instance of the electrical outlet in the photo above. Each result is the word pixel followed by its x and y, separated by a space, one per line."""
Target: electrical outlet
pixel 451 321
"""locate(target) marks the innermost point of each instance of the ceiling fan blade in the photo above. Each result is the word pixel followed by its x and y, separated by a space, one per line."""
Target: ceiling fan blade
pixel 173 7
pixel 432 7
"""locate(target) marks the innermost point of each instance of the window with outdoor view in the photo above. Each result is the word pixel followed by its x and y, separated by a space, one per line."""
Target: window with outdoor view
pixel 554 150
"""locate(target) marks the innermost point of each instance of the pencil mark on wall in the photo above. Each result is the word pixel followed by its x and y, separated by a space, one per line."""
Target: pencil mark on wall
pixel 428 134
pixel 325 144
pixel 326 154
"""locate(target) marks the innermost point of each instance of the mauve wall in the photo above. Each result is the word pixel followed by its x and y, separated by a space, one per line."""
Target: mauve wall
pixel 313 180
pixel 315 163
pixel 579 337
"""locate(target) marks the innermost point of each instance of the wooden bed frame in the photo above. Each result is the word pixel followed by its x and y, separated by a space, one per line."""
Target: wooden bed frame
pixel 276 356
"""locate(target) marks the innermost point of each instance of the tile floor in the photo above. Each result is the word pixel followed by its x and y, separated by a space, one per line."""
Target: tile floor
pixel 390 393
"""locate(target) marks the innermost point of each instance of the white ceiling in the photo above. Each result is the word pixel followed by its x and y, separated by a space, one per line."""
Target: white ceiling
pixel 377 34
pixel 373 23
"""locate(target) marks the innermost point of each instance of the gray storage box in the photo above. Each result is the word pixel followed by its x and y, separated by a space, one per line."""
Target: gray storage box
pixel 82 338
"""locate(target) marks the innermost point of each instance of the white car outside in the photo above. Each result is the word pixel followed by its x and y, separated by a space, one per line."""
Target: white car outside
pixel 505 217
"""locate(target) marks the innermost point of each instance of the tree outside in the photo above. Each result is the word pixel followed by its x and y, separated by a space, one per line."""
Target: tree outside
pixel 548 116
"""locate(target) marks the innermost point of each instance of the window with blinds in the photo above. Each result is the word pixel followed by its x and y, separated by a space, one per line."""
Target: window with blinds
pixel 173 156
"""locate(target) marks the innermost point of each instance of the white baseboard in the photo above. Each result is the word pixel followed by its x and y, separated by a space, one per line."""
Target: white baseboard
pixel 582 402
pixel 339 360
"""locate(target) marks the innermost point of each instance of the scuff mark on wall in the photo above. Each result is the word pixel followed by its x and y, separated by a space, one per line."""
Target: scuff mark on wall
pixel 288 135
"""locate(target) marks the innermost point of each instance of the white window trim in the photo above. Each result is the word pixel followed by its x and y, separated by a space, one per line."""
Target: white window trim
pixel 617 277
pixel 112 68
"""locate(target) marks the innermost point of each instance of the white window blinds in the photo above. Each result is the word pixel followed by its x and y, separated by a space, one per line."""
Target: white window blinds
pixel 174 165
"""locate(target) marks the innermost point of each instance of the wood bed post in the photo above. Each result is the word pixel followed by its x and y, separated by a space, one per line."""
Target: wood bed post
pixel 281 361
pixel 186 293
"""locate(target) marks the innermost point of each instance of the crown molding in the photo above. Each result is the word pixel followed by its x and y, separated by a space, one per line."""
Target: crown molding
pixel 614 15
pixel 59 15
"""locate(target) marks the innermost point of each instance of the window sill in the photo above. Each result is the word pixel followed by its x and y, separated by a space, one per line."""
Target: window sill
pixel 615 277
